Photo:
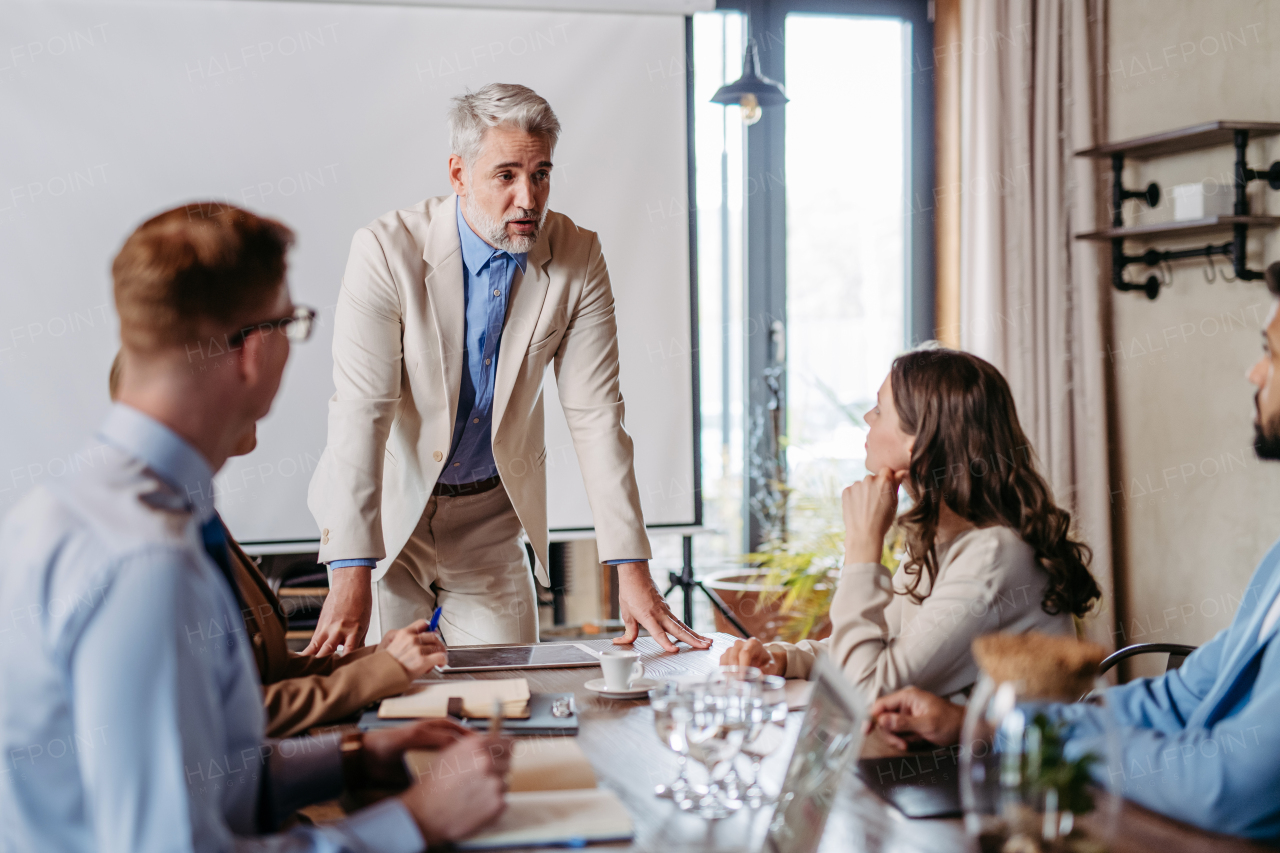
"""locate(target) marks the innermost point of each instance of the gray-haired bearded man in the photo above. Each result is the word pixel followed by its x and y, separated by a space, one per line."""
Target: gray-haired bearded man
pixel 449 314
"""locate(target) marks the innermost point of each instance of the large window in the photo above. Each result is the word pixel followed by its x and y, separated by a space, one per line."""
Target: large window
pixel 813 269
pixel 845 241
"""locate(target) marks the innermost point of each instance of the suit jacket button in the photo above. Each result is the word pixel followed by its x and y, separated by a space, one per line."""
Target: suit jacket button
pixel 438 456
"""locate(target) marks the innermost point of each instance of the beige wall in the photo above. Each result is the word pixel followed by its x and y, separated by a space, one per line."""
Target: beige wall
pixel 1195 508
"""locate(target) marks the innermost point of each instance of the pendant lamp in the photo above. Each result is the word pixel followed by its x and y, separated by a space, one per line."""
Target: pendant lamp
pixel 752 91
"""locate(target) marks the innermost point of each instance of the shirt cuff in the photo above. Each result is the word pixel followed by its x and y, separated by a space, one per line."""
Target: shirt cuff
pixel 342 564
pixel 620 562
pixel 386 827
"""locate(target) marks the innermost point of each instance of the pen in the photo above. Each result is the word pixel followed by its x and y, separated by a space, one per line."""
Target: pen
pixel 495 719
pixel 435 620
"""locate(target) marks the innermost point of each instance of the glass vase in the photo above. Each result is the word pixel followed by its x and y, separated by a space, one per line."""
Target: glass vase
pixel 1030 782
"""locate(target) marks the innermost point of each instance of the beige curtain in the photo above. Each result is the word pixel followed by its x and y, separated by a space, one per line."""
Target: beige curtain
pixel 1031 299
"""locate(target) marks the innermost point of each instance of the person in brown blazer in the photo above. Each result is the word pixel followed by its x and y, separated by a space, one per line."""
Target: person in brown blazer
pixel 302 691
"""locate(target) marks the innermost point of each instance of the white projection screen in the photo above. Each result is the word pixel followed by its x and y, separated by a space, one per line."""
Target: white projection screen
pixel 325 116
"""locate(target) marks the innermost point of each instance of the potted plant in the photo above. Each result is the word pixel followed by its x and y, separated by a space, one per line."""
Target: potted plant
pixel 784 589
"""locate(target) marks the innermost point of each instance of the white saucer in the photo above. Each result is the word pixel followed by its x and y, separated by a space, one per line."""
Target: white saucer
pixel 638 690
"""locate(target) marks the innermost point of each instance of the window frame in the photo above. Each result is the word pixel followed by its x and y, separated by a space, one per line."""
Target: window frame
pixel 765 264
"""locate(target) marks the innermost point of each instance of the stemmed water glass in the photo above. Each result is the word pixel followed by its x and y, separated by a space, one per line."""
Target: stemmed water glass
pixel 670 720
pixel 718 719
pixel 748 675
pixel 766 732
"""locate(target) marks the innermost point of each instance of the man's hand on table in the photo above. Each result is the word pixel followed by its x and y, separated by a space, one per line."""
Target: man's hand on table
pixel 344 619
pixel 911 714
pixel 415 648
pixel 460 802
pixel 384 748
pixel 642 606
pixel 753 653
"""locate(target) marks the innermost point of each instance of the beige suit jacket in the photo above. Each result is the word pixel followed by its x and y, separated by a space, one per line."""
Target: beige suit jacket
pixel 398 356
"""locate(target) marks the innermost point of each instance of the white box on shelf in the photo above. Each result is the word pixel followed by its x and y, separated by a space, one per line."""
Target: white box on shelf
pixel 1201 200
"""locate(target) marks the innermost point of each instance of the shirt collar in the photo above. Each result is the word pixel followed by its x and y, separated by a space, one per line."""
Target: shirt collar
pixel 167 454
pixel 476 252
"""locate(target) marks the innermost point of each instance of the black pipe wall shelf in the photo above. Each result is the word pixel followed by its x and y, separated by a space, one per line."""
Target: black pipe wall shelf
pixel 1208 135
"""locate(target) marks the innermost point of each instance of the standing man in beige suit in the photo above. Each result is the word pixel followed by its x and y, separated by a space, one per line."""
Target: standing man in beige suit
pixel 450 312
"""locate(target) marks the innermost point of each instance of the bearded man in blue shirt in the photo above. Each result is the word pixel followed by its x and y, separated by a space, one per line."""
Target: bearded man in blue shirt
pixel 131 714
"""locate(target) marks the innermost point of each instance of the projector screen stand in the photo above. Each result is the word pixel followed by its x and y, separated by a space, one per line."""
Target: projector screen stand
pixel 688 583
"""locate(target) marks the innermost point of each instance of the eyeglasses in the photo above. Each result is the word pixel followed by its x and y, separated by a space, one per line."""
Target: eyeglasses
pixel 297 327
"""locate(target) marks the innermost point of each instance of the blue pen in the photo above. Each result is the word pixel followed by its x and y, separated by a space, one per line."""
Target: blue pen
pixel 435 619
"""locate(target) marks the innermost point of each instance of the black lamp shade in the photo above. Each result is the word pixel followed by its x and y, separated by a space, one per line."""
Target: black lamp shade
pixel 768 93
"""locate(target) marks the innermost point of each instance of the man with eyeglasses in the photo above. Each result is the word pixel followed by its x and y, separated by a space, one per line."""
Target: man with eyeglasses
pixel 304 691
pixel 131 707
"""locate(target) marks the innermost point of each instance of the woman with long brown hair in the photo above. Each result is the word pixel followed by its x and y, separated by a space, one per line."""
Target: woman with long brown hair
pixel 987 547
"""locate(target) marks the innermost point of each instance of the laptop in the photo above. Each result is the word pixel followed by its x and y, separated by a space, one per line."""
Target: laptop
pixel 830 738
pixel 918 784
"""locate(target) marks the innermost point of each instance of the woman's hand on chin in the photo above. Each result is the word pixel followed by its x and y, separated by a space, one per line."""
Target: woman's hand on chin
pixel 869 509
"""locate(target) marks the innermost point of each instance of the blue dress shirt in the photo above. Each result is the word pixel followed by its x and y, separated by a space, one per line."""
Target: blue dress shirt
pixel 1200 743
pixel 131 706
pixel 487 274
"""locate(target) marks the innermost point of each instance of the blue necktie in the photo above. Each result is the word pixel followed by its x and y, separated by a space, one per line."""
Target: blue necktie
pixel 215 543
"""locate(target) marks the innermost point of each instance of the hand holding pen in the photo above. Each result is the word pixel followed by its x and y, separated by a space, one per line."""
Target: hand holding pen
pixel 417 648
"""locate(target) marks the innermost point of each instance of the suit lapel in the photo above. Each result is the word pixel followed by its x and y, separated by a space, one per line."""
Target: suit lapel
pixel 528 292
pixel 444 283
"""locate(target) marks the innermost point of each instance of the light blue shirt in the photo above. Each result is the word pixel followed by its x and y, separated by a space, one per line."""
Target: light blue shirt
pixel 1201 743
pixel 131 715
pixel 487 274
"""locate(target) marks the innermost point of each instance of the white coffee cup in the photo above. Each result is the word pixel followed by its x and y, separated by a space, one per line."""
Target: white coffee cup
pixel 621 668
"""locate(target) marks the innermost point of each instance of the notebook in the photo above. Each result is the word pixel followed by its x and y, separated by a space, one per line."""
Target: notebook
pixel 555 819
pixel 918 784
pixel 552 801
pixel 432 699
pixel 542 720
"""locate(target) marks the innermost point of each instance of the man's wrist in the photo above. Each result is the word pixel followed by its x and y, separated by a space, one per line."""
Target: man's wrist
pixel 634 571
pixel 349 582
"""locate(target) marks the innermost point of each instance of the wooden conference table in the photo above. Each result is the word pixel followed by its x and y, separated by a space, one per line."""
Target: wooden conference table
pixel 619 739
